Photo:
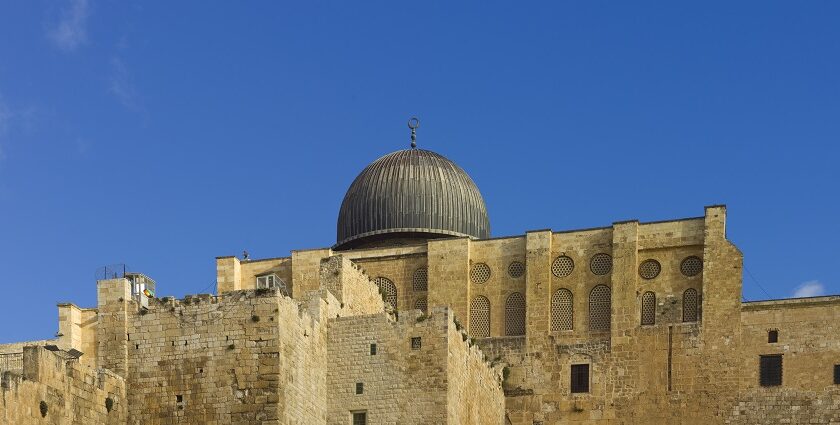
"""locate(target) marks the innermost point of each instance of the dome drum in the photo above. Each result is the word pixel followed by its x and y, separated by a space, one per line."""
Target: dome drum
pixel 410 194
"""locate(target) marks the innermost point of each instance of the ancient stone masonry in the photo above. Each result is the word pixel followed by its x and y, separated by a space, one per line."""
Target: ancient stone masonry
pixel 50 389
pixel 633 323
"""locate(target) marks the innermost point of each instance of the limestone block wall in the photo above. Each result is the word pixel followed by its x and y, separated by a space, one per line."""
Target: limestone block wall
pixel 77 327
pixel 350 286
pixel 243 357
pixel 398 265
pixel 807 340
pixel 786 406
pixel 441 381
pixel 474 390
pixel 70 393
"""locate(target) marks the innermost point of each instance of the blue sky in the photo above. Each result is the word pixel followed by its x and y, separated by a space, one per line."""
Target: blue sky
pixel 164 134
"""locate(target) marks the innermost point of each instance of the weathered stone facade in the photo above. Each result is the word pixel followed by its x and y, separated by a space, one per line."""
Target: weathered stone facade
pixel 416 317
pixel 329 345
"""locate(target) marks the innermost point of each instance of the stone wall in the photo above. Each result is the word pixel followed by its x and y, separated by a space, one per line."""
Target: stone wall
pixel 51 390
pixel 442 381
pixel 244 357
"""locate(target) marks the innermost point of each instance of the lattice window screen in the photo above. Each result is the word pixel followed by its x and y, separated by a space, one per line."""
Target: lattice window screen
pixel 599 308
pixel 420 282
pixel 515 315
pixel 562 266
pixel 691 305
pixel 600 264
pixel 387 289
pixel 421 304
pixel 480 317
pixel 562 310
pixel 480 273
pixel 516 269
pixel 648 308
pixel 691 266
pixel 649 269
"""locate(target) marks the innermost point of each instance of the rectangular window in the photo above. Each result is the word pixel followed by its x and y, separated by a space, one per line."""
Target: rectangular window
pixel 372 349
pixel 580 378
pixel 770 370
pixel 837 374
pixel 416 343
pixel 360 388
pixel 265 282
pixel 359 418
pixel 773 336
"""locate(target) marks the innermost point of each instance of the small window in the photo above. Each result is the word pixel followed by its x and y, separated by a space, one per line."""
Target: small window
pixel 770 370
pixel 372 349
pixel 580 378
pixel 648 308
pixel 270 281
pixel 837 374
pixel 416 343
pixel 773 336
pixel 360 387
pixel 359 418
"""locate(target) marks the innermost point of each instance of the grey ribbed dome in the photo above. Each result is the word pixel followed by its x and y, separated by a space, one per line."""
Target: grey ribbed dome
pixel 411 192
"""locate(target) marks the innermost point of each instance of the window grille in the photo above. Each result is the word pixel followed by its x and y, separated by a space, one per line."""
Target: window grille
pixel 580 378
pixel 837 374
pixel 480 273
pixel 360 388
pixel 387 289
pixel 480 317
pixel 562 266
pixel 772 336
pixel 416 343
pixel 515 315
pixel 600 264
pixel 516 269
pixel 373 349
pixel 599 308
pixel 359 418
pixel 421 304
pixel 649 269
pixel 270 281
pixel 691 305
pixel 691 266
pixel 770 370
pixel 420 282
pixel 562 310
pixel 648 308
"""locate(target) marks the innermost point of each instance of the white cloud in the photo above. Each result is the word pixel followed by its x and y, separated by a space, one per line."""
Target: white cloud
pixel 120 84
pixel 5 123
pixel 71 30
pixel 811 288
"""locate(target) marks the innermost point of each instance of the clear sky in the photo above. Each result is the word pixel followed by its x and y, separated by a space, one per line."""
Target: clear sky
pixel 164 134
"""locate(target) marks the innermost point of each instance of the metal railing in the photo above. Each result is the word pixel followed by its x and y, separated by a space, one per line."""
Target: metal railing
pixel 11 361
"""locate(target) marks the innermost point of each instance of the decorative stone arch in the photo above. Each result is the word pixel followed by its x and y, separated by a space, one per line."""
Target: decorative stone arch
pixel 388 290
pixel 600 306
pixel 648 310
pixel 562 310
pixel 691 305
pixel 480 317
pixel 515 315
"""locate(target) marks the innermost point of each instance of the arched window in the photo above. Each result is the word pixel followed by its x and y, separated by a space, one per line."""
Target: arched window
pixel 691 305
pixel 515 315
pixel 480 317
pixel 387 289
pixel 562 310
pixel 421 279
pixel 421 304
pixel 648 308
pixel 599 308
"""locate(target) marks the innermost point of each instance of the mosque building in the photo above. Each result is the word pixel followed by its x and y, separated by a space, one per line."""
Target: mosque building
pixel 417 315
